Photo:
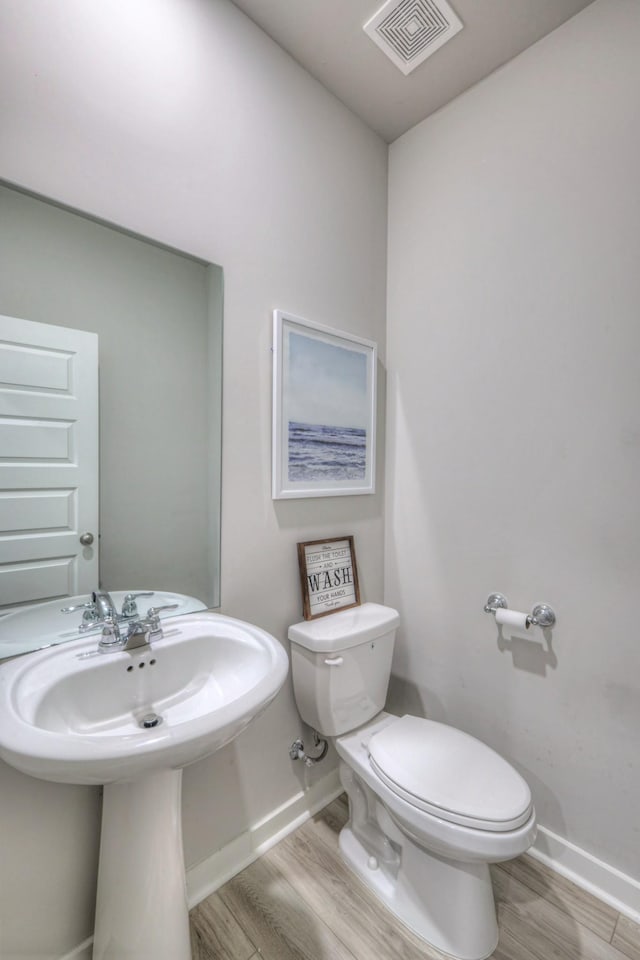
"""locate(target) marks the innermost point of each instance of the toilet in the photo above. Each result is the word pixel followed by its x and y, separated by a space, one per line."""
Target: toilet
pixel 430 807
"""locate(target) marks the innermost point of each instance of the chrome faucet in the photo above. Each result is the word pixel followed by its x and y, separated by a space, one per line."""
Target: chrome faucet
pixel 98 609
pixel 101 609
pixel 105 607
pixel 138 633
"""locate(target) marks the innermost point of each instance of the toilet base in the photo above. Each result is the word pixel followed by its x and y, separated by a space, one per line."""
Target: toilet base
pixel 448 904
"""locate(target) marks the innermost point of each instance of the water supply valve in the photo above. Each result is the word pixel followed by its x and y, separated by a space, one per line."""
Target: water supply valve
pixel 297 751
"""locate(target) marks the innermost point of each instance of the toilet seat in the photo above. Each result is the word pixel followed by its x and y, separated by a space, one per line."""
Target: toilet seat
pixel 449 774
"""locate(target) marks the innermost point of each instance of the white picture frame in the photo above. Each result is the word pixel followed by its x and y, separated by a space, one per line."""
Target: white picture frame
pixel 324 410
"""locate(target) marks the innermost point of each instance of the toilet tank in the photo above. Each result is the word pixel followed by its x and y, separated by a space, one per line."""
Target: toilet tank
pixel 341 664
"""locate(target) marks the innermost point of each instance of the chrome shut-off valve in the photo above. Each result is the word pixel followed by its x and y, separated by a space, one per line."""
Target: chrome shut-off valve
pixel 297 751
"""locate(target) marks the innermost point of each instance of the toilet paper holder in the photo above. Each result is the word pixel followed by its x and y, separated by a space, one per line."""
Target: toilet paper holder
pixel 542 614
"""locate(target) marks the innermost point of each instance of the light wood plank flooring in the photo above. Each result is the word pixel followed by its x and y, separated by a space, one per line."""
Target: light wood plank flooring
pixel 299 902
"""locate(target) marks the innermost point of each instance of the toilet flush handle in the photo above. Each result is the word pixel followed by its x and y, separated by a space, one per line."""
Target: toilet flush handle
pixel 334 661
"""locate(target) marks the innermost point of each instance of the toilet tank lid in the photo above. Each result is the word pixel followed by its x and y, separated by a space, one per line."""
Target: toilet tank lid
pixel 345 628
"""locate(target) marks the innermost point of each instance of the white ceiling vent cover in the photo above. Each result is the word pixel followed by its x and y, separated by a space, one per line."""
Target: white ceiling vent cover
pixel 410 31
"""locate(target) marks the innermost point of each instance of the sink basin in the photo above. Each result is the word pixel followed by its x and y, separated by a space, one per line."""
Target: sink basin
pixel 73 714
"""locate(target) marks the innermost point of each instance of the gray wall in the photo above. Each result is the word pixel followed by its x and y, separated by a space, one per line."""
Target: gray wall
pixel 182 121
pixel 150 309
pixel 514 419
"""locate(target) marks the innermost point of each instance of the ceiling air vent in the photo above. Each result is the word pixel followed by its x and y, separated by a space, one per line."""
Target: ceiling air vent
pixel 410 31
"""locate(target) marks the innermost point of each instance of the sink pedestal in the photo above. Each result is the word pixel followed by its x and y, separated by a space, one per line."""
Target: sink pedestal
pixel 141 907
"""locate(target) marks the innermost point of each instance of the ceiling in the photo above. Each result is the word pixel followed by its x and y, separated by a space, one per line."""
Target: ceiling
pixel 327 39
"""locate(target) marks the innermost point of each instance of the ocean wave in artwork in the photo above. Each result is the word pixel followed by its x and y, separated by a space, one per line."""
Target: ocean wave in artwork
pixel 318 452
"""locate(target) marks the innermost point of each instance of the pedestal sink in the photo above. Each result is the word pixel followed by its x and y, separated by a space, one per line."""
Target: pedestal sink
pixel 132 721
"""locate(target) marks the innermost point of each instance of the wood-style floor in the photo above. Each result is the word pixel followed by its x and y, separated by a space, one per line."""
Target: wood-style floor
pixel 299 902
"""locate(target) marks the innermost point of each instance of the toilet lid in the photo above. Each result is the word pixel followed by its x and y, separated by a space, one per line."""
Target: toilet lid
pixel 450 774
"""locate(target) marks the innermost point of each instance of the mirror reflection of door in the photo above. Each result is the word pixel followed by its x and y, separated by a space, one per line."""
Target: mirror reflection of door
pixel 48 462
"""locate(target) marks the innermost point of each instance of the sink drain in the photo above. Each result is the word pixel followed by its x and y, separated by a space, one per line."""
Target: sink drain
pixel 150 720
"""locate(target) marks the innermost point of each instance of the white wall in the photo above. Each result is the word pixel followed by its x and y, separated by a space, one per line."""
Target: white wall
pixel 182 121
pixel 513 449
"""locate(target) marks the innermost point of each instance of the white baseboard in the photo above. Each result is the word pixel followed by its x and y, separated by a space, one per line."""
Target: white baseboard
pixel 205 877
pixel 597 877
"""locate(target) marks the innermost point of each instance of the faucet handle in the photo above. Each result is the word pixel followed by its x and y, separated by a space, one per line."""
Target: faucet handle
pixel 78 606
pixel 153 613
pixel 111 635
pixel 90 615
pixel 129 606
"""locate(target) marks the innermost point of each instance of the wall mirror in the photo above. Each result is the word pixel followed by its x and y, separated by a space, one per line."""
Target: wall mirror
pixel 157 314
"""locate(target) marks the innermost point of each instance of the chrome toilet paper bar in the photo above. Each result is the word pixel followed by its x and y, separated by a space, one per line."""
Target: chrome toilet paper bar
pixel 542 614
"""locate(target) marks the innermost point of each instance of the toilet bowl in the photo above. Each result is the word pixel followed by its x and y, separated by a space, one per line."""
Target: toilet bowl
pixel 429 805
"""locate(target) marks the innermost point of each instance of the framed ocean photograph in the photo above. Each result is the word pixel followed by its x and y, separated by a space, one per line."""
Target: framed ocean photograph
pixel 324 403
